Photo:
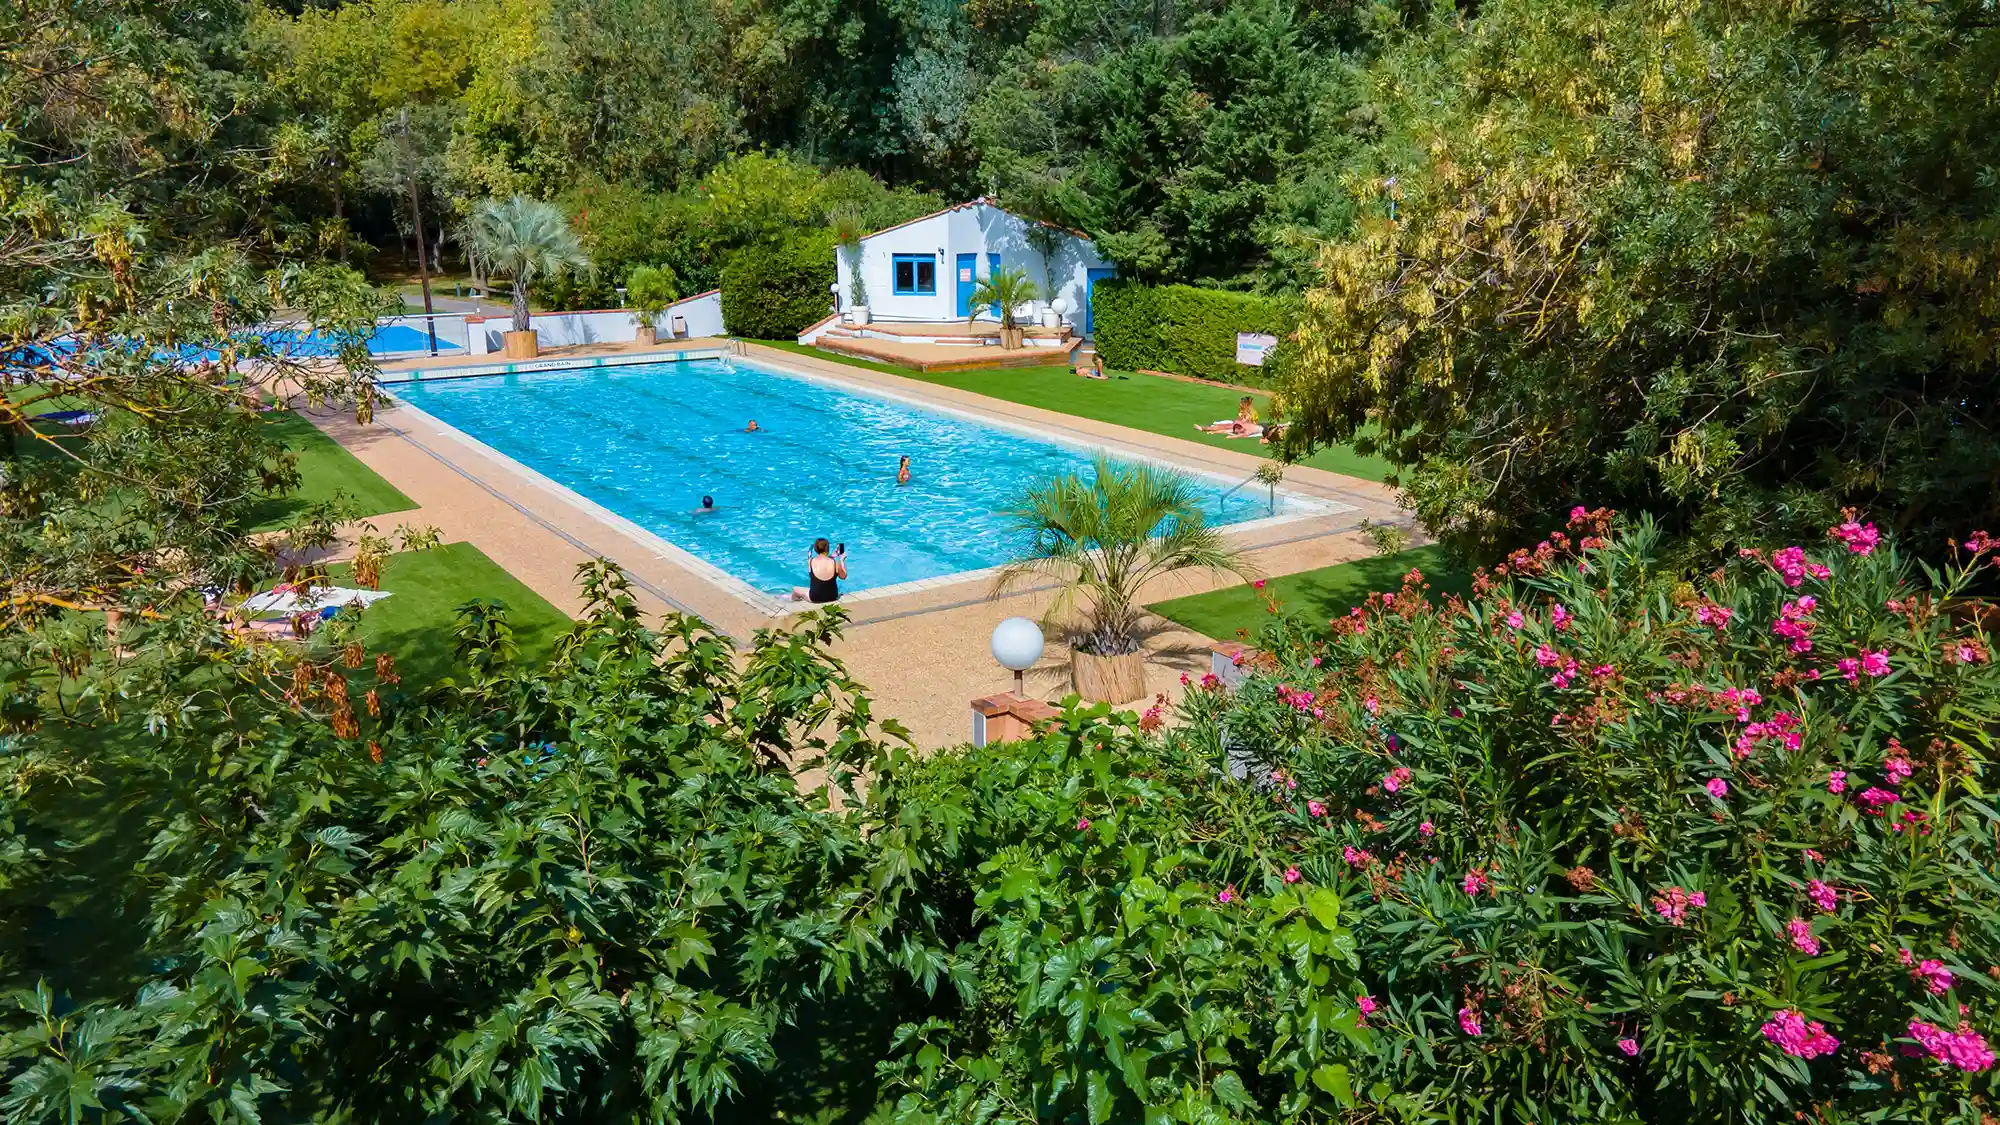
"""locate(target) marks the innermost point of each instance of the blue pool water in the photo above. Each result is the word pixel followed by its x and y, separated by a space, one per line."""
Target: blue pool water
pixel 648 440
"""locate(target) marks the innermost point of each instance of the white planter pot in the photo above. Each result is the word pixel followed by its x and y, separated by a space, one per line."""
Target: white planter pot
pixel 857 314
pixel 1050 319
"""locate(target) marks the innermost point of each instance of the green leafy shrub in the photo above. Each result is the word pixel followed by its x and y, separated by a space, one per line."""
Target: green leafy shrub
pixel 773 290
pixel 1183 329
pixel 1621 846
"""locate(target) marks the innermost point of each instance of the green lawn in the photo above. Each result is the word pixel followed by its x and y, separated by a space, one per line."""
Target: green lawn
pixel 1143 402
pixel 324 469
pixel 1324 593
pixel 429 586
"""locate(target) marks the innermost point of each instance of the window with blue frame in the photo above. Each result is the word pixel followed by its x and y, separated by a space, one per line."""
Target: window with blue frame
pixel 916 275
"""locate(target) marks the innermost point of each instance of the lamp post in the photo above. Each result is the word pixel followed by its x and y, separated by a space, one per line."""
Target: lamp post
pixel 1017 644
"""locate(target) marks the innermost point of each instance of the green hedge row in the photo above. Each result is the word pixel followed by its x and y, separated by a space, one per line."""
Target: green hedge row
pixel 1182 329
pixel 773 290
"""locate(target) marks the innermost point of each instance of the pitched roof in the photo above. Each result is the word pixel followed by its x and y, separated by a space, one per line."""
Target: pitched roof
pixel 986 200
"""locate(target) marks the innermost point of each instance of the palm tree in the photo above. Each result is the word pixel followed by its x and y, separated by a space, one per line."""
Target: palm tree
pixel 1103 539
pixel 1006 289
pixel 524 239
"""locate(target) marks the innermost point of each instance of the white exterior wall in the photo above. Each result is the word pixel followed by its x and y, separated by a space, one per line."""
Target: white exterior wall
pixel 703 313
pixel 979 229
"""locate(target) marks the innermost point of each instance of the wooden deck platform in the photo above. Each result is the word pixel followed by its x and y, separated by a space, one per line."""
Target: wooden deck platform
pixel 944 357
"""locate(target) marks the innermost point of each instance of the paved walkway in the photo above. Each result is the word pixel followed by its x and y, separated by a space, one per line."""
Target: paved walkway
pixel 922 653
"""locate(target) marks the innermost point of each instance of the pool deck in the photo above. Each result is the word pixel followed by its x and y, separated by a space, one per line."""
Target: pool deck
pixel 921 647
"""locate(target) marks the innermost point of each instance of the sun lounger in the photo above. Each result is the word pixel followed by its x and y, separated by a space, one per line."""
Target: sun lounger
pixel 288 602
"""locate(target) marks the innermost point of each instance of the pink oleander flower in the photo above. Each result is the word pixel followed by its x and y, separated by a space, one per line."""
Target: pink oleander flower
pixel 1354 856
pixel 1836 781
pixel 1860 538
pixel 1372 705
pixel 1083 825
pixel 1367 1005
pixel 1395 779
pixel 1850 669
pixel 1601 671
pixel 1800 931
pixel 1969 653
pixel 1795 623
pixel 1629 1046
pixel 1468 1022
pixel 1226 895
pixel 1547 657
pixel 1426 830
pixel 1965 1048
pixel 1210 680
pixel 1878 799
pixel 1257 585
pixel 1578 512
pixel 1875 663
pixel 1824 898
pixel 1797 1038
pixel 1559 617
pixel 1790 563
pixel 1515 620
pixel 1715 616
pixel 1897 769
pixel 1474 882
pixel 1292 875
pixel 1906 956
pixel 1314 808
pixel 1936 979
pixel 1186 679
pixel 1673 903
pixel 1717 788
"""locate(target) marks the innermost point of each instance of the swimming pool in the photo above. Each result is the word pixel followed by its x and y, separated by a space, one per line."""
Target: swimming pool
pixel 647 441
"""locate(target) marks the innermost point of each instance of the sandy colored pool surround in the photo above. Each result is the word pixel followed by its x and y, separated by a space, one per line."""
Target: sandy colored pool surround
pixel 921 647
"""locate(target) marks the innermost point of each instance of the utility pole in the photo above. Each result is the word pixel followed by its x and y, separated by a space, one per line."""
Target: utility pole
pixel 417 224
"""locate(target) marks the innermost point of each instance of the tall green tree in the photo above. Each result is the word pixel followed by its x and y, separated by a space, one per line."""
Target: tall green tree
pixel 525 240
pixel 1733 265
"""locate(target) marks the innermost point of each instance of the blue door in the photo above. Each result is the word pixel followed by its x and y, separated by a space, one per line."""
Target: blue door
pixel 966 264
pixel 992 268
pixel 1091 278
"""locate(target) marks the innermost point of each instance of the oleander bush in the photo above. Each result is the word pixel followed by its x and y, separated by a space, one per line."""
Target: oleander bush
pixel 1620 844
pixel 773 290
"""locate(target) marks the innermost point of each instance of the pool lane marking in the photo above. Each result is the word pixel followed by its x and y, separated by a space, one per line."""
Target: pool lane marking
pixel 636 580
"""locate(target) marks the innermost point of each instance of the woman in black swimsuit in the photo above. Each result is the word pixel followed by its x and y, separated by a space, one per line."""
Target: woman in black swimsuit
pixel 824 571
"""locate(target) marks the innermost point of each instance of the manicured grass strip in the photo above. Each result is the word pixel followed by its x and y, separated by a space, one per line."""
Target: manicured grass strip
pixel 415 625
pixel 1169 407
pixel 1323 594
pixel 324 469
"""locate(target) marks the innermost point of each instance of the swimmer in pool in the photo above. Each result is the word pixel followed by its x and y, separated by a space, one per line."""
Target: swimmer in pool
pixel 903 470
pixel 753 427
pixel 707 507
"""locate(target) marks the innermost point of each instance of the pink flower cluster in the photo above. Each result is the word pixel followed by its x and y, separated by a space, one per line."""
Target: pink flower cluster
pixel 1292 875
pixel 1226 895
pixel 1791 565
pixel 1672 904
pixel 1965 1048
pixel 1873 663
pixel 1314 808
pixel 1860 538
pixel 1717 788
pixel 1367 1005
pixel 1559 617
pixel 1936 979
pixel 1783 727
pixel 1515 620
pixel 1714 616
pixel 1795 622
pixel 1742 699
pixel 1897 769
pixel 1395 779
pixel 1836 781
pixel 1468 1021
pixel 1800 931
pixel 1474 883
pixel 1797 1038
pixel 1356 857
pixel 1877 799
pixel 1298 699
pixel 1824 898
pixel 1550 658
pixel 1630 1046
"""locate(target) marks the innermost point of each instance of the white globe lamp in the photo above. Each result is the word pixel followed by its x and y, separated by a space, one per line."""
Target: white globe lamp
pixel 1017 644
pixel 1061 305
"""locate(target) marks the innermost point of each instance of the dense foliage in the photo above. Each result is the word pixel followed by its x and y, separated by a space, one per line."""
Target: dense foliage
pixel 775 290
pixel 1183 329
pixel 1733 265
pixel 1623 845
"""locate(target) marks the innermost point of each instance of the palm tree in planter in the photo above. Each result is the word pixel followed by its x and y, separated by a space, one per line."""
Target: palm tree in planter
pixel 526 240
pixel 1007 290
pixel 649 292
pixel 1102 540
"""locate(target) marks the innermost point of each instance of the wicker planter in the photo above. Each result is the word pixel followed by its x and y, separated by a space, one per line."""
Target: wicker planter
pixel 1109 679
pixel 1010 337
pixel 647 336
pixel 521 345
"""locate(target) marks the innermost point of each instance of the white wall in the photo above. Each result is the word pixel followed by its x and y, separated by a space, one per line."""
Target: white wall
pixel 702 311
pixel 979 229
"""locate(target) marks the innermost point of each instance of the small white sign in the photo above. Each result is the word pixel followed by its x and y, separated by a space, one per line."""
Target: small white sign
pixel 965 274
pixel 1252 347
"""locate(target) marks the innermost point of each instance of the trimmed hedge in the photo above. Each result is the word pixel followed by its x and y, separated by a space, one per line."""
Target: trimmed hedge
pixel 773 290
pixel 1184 330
